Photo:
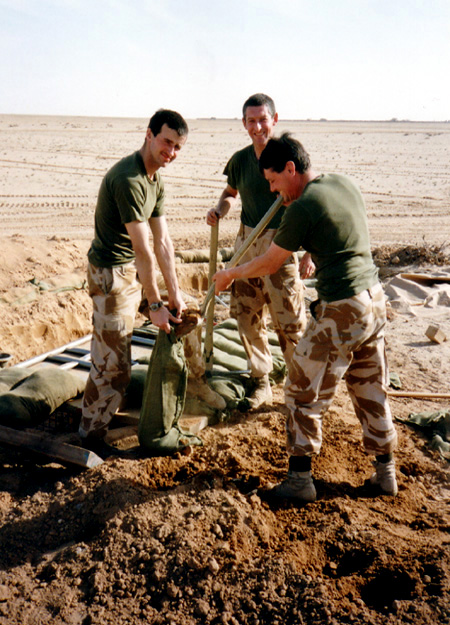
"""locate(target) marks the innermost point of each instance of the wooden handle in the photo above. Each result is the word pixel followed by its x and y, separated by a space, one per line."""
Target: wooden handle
pixel 208 346
pixel 245 246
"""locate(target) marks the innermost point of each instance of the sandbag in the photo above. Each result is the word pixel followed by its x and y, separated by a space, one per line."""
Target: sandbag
pixel 32 399
pixel 234 388
pixel 224 344
pixel 231 324
pixel 164 398
pixel 9 377
pixel 228 361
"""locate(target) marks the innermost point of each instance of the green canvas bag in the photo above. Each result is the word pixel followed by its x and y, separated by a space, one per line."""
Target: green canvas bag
pixel 164 398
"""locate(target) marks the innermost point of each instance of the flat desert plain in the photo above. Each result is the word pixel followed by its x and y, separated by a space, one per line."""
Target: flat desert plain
pixel 187 539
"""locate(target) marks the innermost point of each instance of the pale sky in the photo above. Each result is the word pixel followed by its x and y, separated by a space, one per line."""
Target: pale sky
pixel 333 59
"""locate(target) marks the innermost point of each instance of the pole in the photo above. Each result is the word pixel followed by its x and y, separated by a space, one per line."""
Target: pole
pixel 208 346
pixel 245 246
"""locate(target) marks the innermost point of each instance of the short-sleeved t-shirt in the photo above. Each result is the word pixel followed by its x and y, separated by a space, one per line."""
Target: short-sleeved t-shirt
pixel 329 220
pixel 126 194
pixel 242 171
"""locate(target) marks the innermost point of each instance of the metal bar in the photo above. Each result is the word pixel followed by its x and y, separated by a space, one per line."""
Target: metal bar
pixel 57 350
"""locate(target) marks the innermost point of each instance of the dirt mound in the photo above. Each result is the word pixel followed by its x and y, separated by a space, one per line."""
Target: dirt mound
pixel 188 539
pixel 404 256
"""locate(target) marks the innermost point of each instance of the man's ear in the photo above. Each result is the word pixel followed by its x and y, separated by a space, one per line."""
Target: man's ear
pixel 290 168
pixel 275 119
pixel 148 134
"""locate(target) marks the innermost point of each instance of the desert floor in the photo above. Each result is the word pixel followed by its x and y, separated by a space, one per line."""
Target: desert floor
pixel 185 539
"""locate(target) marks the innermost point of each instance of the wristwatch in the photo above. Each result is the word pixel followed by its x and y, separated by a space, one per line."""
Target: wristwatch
pixel 155 306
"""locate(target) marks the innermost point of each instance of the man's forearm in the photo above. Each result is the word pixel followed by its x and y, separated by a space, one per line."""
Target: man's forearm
pixel 164 252
pixel 263 265
pixel 225 203
pixel 145 266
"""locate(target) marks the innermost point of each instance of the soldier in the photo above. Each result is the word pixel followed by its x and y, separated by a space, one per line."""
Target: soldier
pixel 280 294
pixel 345 336
pixel 121 265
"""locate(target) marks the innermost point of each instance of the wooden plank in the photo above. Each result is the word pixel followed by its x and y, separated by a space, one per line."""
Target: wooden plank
pixel 419 394
pixel 117 434
pixel 425 277
pixel 47 445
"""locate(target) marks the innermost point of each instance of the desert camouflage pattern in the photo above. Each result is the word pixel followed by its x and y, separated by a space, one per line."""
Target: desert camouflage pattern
pixel 344 340
pixel 116 295
pixel 280 295
pixel 193 351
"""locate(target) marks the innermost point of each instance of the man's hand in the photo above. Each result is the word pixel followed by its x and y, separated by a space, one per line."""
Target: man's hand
pixel 306 267
pixel 222 280
pixel 161 319
pixel 212 217
pixel 176 302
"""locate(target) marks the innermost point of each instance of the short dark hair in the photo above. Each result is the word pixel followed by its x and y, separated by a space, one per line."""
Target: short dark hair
pixel 279 151
pixel 259 99
pixel 171 118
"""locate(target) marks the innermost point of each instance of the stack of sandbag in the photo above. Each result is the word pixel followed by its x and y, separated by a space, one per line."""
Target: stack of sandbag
pixel 229 379
pixel 28 398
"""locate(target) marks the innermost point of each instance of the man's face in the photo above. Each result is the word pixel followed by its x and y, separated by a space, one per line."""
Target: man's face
pixel 259 124
pixel 286 182
pixel 164 147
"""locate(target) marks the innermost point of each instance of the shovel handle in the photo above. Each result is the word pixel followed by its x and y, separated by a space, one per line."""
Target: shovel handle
pixel 208 347
pixel 245 246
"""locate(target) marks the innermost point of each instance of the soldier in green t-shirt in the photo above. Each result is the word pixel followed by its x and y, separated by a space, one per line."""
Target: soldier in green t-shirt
pixel 280 294
pixel 130 204
pixel 326 215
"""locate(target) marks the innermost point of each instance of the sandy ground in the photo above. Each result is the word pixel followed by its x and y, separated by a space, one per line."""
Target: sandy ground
pixel 186 540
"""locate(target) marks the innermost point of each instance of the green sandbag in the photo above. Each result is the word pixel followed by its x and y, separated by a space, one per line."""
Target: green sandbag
pixel 233 388
pixel 9 377
pixel 231 324
pixel 229 346
pixel 229 362
pixel 31 400
pixel 164 398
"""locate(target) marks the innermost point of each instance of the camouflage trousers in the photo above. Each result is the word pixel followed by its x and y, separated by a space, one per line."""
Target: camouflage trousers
pixel 280 295
pixel 344 339
pixel 116 294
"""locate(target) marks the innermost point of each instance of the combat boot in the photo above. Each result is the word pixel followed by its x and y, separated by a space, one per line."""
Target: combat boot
pixel 384 477
pixel 298 486
pixel 262 393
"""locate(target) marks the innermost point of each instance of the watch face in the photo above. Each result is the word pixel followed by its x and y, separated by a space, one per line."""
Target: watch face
pixel 155 306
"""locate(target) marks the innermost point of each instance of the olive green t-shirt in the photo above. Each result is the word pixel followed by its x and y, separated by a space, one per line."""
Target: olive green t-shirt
pixel 242 171
pixel 126 194
pixel 329 220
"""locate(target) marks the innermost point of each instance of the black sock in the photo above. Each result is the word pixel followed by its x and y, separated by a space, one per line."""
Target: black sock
pixel 300 463
pixel 384 458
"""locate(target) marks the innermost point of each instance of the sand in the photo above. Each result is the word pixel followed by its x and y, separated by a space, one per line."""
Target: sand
pixel 183 540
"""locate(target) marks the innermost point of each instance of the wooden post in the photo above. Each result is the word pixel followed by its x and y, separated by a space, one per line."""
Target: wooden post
pixel 208 347
pixel 47 445
pixel 245 246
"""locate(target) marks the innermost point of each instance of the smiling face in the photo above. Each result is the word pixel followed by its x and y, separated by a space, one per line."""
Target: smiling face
pixel 259 124
pixel 287 182
pixel 163 148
